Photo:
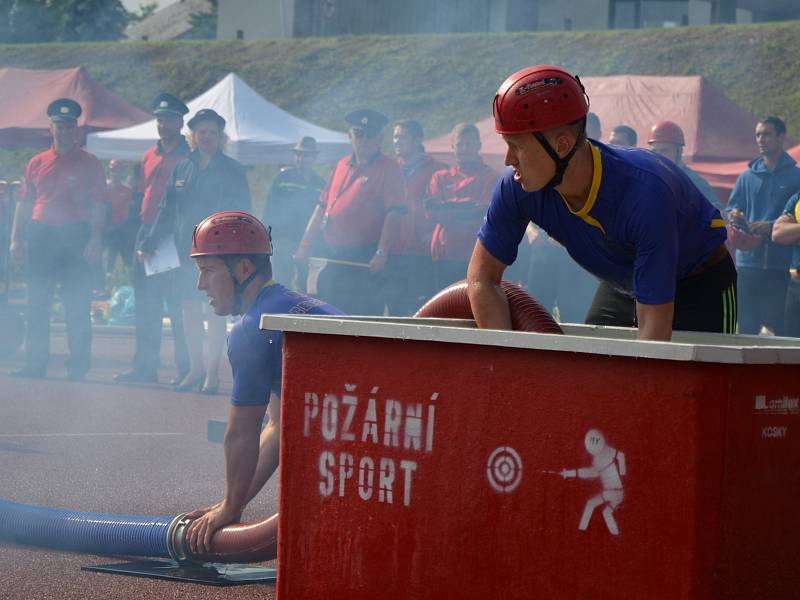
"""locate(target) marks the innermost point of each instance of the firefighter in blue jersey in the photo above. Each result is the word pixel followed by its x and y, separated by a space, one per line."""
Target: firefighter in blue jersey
pixel 628 216
pixel 233 250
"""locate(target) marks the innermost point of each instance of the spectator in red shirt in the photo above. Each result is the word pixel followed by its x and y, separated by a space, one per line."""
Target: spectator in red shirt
pixel 457 202
pixel 410 270
pixel 61 216
pixel 151 292
pixel 119 236
pixel 358 216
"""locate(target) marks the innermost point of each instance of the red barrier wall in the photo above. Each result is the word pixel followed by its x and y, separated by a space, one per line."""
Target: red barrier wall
pixel 425 470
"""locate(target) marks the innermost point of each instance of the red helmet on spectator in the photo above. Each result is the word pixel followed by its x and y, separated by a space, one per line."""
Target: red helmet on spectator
pixel 230 232
pixel 741 239
pixel 538 98
pixel 666 131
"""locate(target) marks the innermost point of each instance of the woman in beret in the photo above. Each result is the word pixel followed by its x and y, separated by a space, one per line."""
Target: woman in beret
pixel 206 182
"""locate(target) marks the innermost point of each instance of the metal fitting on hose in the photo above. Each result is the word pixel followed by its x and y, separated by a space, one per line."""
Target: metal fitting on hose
pixel 176 540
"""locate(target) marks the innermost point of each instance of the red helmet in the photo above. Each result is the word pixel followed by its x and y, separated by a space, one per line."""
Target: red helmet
pixel 539 98
pixel 741 239
pixel 230 232
pixel 666 131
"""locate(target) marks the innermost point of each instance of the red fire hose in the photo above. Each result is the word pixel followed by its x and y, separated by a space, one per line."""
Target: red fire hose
pixel 526 312
pixel 241 542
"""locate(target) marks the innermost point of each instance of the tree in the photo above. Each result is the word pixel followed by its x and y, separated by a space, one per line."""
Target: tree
pixel 31 21
pixel 89 20
pixel 5 24
pixel 204 24
pixel 25 21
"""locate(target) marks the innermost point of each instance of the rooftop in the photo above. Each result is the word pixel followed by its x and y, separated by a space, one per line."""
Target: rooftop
pixel 168 23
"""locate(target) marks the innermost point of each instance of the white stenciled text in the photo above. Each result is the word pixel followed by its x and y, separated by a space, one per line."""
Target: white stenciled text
pixel 371 425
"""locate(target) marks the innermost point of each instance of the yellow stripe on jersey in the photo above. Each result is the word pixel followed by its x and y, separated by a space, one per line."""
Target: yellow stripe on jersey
pixel 597 176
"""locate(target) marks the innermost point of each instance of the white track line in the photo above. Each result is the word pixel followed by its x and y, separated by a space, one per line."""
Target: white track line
pixel 68 435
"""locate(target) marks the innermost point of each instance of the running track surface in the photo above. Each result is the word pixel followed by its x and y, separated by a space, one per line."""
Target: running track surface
pixel 99 446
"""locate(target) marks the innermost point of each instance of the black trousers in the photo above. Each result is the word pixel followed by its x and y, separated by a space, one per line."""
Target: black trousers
pixel 409 283
pixel 353 290
pixel 55 259
pixel 119 243
pixel 762 299
pixel 151 293
pixel 703 302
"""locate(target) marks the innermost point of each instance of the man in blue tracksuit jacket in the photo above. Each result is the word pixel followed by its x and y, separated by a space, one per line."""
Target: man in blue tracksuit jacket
pixel 758 199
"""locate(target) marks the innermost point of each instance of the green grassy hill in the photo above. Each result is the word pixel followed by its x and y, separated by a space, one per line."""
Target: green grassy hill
pixel 437 79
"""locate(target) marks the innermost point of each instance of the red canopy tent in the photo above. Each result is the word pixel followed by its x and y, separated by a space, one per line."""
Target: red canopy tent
pixel 719 135
pixel 722 175
pixel 26 93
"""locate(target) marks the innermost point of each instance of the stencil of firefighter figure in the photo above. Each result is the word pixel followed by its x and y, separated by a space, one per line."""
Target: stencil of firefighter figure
pixel 608 464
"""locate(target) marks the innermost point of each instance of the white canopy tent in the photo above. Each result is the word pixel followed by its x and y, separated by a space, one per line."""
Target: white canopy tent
pixel 259 132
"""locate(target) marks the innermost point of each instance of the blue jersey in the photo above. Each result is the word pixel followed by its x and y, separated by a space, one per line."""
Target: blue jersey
pixel 256 355
pixel 644 225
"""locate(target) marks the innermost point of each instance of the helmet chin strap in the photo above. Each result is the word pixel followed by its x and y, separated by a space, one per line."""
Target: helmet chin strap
pixel 238 289
pixel 561 163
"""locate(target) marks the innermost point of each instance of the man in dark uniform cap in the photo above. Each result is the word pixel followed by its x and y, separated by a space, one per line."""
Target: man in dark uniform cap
pixel 152 291
pixel 358 214
pixel 291 200
pixel 61 216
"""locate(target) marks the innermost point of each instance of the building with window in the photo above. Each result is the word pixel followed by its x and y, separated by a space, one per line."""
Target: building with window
pixel 259 19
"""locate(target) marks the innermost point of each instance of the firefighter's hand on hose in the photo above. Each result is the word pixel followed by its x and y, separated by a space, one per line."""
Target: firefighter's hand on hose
pixel 203 529
pixel 197 513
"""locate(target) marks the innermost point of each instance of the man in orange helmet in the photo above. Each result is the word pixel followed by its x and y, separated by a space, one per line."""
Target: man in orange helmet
pixel 633 220
pixel 666 138
pixel 233 250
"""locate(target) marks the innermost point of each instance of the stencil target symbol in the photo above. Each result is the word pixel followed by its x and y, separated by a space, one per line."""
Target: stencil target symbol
pixel 504 469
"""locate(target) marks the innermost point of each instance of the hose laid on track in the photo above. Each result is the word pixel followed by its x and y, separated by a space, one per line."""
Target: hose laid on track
pixel 84 532
pixel 158 536
pixel 526 312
